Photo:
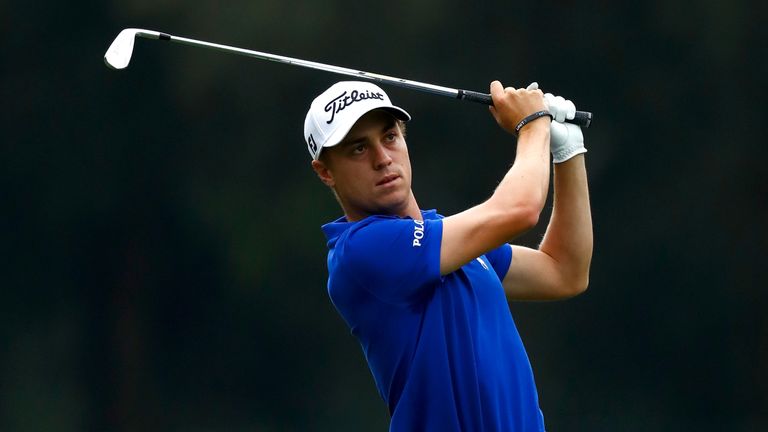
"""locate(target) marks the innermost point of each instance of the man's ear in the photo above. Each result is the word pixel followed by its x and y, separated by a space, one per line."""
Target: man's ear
pixel 323 173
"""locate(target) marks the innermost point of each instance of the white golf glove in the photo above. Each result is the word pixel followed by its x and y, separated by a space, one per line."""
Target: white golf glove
pixel 566 139
pixel 560 108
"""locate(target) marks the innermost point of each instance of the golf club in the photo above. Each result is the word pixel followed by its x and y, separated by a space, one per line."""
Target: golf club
pixel 119 55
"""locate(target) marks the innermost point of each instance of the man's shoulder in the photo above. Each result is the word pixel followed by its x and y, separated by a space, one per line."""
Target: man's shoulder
pixel 374 231
pixel 391 257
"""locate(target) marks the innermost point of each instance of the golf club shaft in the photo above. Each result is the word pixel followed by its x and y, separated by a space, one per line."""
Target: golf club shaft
pixel 582 118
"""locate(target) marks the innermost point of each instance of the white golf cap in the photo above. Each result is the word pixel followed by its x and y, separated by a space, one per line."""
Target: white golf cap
pixel 335 111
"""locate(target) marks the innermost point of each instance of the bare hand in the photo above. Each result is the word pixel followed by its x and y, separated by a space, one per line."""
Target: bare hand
pixel 511 105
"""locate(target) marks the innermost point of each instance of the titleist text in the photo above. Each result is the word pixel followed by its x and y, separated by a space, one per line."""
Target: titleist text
pixel 344 100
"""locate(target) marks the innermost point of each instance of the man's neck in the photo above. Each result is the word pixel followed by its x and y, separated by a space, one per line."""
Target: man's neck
pixel 411 210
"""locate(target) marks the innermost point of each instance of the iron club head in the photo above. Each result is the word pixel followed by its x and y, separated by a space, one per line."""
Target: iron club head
pixel 118 54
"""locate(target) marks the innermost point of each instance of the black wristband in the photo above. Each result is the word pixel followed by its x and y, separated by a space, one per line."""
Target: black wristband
pixel 531 118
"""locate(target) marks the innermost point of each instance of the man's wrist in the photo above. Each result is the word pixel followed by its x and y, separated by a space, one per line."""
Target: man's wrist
pixel 531 118
pixel 536 131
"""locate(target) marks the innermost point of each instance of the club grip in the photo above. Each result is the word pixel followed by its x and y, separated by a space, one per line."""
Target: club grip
pixel 582 118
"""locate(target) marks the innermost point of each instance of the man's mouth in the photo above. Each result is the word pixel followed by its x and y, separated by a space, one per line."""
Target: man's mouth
pixel 388 179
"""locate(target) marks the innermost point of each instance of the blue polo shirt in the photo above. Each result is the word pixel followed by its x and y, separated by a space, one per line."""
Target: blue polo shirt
pixel 443 350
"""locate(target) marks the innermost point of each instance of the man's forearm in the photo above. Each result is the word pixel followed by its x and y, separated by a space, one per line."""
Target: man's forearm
pixel 527 181
pixel 568 238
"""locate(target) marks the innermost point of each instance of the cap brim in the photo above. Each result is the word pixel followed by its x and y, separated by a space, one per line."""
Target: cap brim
pixel 342 131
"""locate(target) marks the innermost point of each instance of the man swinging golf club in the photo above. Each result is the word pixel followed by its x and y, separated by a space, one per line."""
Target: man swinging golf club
pixel 425 295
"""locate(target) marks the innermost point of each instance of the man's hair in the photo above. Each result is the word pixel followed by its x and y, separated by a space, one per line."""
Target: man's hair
pixel 402 127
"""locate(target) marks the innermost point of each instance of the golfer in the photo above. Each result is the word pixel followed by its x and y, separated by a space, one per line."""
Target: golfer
pixel 426 295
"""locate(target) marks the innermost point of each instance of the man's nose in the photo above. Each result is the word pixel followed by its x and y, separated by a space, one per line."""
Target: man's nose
pixel 381 157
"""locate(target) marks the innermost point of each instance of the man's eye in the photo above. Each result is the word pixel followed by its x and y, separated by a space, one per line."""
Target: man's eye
pixel 391 136
pixel 358 149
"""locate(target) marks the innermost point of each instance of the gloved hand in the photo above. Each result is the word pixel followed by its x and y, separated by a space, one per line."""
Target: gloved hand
pixel 566 139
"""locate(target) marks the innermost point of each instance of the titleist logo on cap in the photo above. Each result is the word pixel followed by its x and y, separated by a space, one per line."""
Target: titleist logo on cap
pixel 344 100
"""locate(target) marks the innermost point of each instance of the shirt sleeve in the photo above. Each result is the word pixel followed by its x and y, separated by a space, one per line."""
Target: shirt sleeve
pixel 395 259
pixel 500 259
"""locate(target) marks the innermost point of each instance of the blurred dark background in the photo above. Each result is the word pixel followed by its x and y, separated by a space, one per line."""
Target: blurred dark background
pixel 162 265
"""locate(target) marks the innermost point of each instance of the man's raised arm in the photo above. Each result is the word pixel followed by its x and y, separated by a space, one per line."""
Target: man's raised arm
pixel 518 200
pixel 560 266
